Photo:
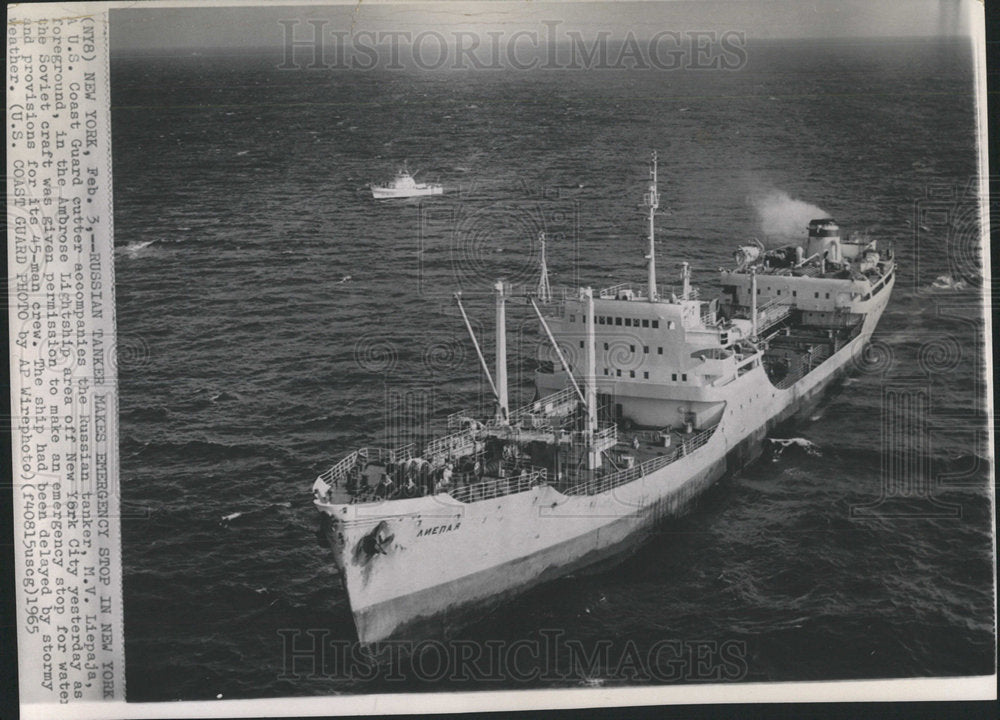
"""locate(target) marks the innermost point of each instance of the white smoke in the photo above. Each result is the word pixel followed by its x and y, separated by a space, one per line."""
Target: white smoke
pixel 782 217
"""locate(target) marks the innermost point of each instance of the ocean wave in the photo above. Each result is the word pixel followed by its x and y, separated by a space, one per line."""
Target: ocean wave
pixel 939 464
pixel 154 412
pixel 207 450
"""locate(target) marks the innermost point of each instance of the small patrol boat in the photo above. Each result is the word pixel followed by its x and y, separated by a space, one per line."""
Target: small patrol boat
pixel 404 186
pixel 647 395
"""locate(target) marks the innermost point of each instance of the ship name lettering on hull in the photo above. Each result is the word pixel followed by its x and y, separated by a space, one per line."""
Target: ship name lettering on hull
pixel 438 529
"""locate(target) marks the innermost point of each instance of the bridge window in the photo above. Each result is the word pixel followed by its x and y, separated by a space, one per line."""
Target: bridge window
pixel 673 376
pixel 659 351
pixel 618 372
pixel 656 323
pixel 600 319
pixel 581 343
pixel 779 292
pixel 795 293
pixel 572 318
pixel 684 377
pixel 605 346
pixel 817 296
pixel 828 296
pixel 645 323
pixel 645 374
pixel 645 349
pixel 605 371
pixel 631 348
pixel 618 321
pixel 631 373
pixel 628 322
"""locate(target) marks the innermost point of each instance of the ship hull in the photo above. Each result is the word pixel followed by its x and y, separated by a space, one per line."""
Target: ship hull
pixel 390 193
pixel 448 562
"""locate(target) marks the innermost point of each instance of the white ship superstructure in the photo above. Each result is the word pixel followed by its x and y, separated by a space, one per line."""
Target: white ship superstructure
pixel 647 395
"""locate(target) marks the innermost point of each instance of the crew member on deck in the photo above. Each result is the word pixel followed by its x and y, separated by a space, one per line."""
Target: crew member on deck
pixel 385 487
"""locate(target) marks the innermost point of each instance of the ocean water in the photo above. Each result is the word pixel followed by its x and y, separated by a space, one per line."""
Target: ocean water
pixel 271 317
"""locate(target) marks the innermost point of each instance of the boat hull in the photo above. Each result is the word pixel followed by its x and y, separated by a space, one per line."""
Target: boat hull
pixel 391 194
pixel 475 556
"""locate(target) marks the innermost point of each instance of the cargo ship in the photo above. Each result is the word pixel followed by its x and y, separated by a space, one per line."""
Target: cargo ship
pixel 646 395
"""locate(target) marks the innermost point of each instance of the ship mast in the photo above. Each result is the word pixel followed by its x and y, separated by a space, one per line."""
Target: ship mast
pixel 593 456
pixel 544 290
pixel 501 371
pixel 652 201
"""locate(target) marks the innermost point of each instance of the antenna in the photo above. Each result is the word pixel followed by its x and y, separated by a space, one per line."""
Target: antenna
pixel 544 290
pixel 652 202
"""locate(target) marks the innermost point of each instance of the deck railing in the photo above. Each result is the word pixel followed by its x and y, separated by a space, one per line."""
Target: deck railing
pixel 498 487
pixel 538 407
pixel 544 407
pixel 449 444
pixel 455 420
pixel 607 482
pixel 341 468
pixel 603 439
pixel 614 290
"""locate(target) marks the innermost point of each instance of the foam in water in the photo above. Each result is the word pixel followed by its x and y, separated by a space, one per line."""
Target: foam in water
pixel 134 248
pixel 947 282
pixel 782 217
pixel 778 445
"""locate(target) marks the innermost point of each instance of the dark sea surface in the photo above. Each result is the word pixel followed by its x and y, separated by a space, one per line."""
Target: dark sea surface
pixel 269 311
